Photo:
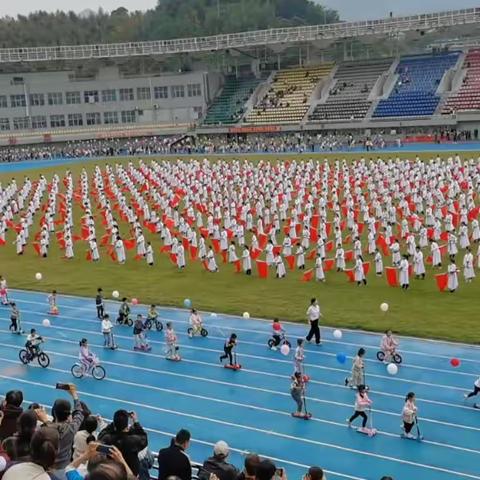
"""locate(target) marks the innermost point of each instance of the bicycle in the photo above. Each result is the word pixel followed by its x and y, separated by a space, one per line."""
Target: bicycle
pixel 150 322
pixel 125 320
pixel 26 357
pixel 194 331
pixel 79 370
pixel 394 357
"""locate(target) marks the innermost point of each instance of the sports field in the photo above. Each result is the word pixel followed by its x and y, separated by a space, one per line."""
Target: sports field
pixel 421 311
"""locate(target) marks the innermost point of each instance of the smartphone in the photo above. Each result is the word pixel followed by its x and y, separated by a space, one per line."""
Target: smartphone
pixel 279 472
pixel 105 449
pixel 62 386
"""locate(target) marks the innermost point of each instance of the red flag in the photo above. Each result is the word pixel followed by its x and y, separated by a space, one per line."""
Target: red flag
pixel 313 234
pixel 205 265
pixel 224 256
pixel 255 253
pixel 262 268
pixel 329 246
pixel 185 243
pixel 361 226
pixel 328 264
pixel 277 249
pixel 311 255
pixel 61 243
pixel 113 256
pixel 307 275
pixel 138 257
pixel 238 266
pixel 350 274
pixel 165 248
pixel 366 268
pixel 104 239
pixel 129 244
pixel 348 239
pixel 442 281
pixel 216 245
pixel 348 255
pixel 444 236
pixel 2 242
pixel 262 240
pixel 173 258
pixel 169 222
pixel 36 246
pixel 392 276
pixel 193 252
pixel 291 261
pixel 88 257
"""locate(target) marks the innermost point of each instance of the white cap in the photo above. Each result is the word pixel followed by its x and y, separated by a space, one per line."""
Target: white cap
pixel 221 449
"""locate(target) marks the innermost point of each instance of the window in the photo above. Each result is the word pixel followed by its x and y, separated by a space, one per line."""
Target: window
pixel 75 119
pixel 93 118
pixel 3 101
pixel 160 92
pixel 4 124
pixel 129 116
pixel 126 94
pixel 110 117
pixel 57 121
pixel 90 96
pixel 39 121
pixel 72 98
pixel 144 93
pixel 194 90
pixel 37 99
pixel 18 100
pixel 55 98
pixel 109 96
pixel 21 123
pixel 178 91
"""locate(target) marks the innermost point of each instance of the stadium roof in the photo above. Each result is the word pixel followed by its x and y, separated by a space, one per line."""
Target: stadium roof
pixel 259 38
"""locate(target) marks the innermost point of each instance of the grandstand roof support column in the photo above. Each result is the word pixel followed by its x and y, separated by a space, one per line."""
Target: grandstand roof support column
pixel 278 62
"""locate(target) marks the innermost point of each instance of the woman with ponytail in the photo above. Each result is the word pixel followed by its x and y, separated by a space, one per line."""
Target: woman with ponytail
pixel 26 426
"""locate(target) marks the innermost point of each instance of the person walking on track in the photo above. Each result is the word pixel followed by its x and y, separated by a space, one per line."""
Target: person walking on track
pixel 313 316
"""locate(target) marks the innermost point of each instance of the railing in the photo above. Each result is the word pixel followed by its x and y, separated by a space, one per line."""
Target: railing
pixel 336 31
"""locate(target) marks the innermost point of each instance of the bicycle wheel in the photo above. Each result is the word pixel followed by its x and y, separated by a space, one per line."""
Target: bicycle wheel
pixel 148 324
pixel 271 342
pixel 23 356
pixel 158 325
pixel 286 342
pixel 129 322
pixel 190 331
pixel 204 332
pixel 43 360
pixel 381 356
pixel 397 358
pixel 98 372
pixel 77 370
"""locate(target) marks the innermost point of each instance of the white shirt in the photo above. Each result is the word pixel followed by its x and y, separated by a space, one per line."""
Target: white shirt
pixel 313 312
pixel 106 325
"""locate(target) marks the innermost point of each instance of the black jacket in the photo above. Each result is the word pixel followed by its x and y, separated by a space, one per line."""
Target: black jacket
pixel 129 443
pixel 9 423
pixel 174 461
pixel 219 467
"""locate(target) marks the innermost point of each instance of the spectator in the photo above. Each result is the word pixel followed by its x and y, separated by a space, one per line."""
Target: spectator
pixel 67 423
pixel 386 477
pixel 130 440
pixel 20 441
pixel 249 467
pixel 218 464
pixel 43 448
pixel 315 473
pixel 266 470
pixel 12 409
pixel 87 434
pixel 173 461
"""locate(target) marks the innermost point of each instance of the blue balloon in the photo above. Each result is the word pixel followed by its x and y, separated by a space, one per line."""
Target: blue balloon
pixel 187 303
pixel 341 358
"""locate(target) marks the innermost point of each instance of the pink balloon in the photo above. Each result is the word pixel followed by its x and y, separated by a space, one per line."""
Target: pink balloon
pixel 134 301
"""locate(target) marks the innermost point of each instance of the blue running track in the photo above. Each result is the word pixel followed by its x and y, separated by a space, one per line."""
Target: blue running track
pixel 250 409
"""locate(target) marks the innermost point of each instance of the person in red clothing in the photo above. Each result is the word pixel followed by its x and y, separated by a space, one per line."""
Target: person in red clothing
pixel 277 333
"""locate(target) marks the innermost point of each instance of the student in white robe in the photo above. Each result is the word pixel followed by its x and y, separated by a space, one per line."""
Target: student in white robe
pixel 395 249
pixel 411 247
pixel 269 253
pixel 418 264
pixel 403 272
pixel 246 261
pixel 287 246
pixel 321 248
pixel 211 261
pixel 359 272
pixel 340 258
pixel 468 270
pixel 452 245
pixel 232 253
pixel 94 250
pixel 378 259
pixel 319 273
pixel 43 247
pixel 140 244
pixel 475 230
pixel 463 239
pixel 436 254
pixel 452 284
pixel 299 252
pixel 202 249
pixel 280 267
pixel 423 237
pixel 120 250
pixel 223 240
pixel 357 247
pixel 68 247
pixel 371 243
pixel 149 254
pixel 180 256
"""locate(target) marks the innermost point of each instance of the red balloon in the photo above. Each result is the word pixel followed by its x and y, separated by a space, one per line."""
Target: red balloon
pixel 455 362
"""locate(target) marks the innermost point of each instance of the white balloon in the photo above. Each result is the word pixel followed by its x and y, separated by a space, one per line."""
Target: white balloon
pixel 246 315
pixel 337 334
pixel 38 276
pixel 384 307
pixel 115 294
pixel 392 369
pixel 213 314
pixel 285 349
pixel 46 322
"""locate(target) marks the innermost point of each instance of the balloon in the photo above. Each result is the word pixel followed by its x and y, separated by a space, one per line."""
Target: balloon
pixel 134 301
pixel 115 294
pixel 246 315
pixel 46 322
pixel 455 362
pixel 392 369
pixel 337 334
pixel 341 358
pixel 38 276
pixel 384 307
pixel 213 314
pixel 187 303
pixel 285 349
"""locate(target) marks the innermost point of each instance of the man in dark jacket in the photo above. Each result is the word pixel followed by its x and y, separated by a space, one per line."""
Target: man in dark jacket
pixel 130 440
pixel 11 409
pixel 218 464
pixel 173 461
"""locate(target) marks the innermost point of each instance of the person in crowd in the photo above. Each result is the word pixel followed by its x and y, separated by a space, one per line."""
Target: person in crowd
pixel 173 460
pixel 249 467
pixel 11 409
pixel 20 441
pixel 87 434
pixel 126 433
pixel 218 465
pixel 315 473
pixel 266 470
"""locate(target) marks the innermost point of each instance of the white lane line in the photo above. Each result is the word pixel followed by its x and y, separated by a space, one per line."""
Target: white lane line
pixel 267 432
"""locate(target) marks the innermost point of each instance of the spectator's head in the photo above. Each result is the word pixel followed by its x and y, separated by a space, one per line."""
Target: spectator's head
pixel 13 398
pixel 44 447
pixel 221 450
pixel 120 420
pixel 182 438
pixel 315 473
pixel 27 423
pixel 251 462
pixel 386 477
pixel 61 410
pixel 265 470
pixel 90 424
pixel 106 469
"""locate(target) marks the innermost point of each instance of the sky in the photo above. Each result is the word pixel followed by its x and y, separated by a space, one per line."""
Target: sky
pixel 349 9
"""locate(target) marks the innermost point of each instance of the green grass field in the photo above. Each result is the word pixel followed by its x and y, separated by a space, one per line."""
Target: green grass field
pixel 421 311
